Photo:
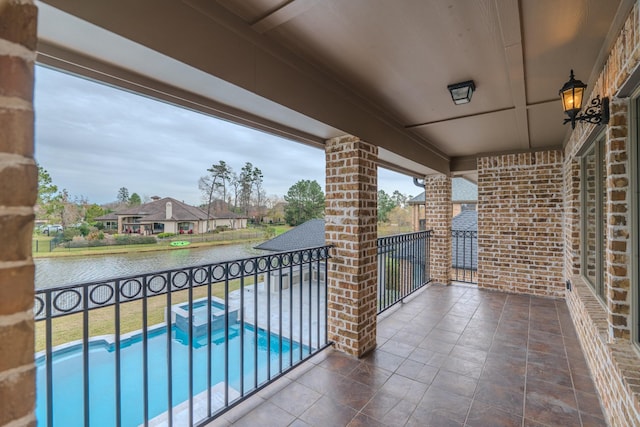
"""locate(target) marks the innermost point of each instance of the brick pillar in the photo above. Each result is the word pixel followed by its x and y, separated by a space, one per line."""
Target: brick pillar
pixel 571 221
pixel 438 213
pixel 351 226
pixel 617 276
pixel 18 188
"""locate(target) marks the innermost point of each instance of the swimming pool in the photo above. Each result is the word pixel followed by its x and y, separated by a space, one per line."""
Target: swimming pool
pixel 68 378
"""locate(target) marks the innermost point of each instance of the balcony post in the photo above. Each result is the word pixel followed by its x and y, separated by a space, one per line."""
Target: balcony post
pixel 18 190
pixel 438 210
pixel 351 226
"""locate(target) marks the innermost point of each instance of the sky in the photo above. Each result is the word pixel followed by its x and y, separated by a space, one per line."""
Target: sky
pixel 94 139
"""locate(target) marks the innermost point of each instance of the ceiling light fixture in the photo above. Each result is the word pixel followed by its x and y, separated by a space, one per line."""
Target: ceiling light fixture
pixel 461 92
pixel 572 94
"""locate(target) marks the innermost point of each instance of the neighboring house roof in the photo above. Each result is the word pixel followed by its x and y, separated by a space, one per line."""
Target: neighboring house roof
pixel 462 191
pixel 108 217
pixel 157 211
pixel 307 235
pixel 467 220
pixel 225 215
pixel 464 244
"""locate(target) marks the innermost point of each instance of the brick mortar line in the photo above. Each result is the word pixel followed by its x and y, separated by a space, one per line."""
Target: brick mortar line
pixel 9 160
pixel 8 48
pixel 20 211
pixel 12 374
pixel 15 103
pixel 15 318
pixel 27 420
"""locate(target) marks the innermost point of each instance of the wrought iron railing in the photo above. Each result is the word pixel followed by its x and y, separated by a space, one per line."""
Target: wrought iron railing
pixel 403 266
pixel 464 256
pixel 176 347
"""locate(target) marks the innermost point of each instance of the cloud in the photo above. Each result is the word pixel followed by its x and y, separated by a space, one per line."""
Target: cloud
pixel 94 139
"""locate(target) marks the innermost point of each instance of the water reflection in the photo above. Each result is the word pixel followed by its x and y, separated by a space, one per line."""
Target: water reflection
pixel 51 272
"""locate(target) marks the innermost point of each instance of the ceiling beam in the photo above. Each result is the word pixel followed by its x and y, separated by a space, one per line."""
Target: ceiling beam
pixel 282 15
pixel 511 31
pixel 90 68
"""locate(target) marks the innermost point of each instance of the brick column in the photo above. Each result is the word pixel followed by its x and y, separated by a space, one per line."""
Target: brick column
pixel 18 188
pixel 617 276
pixel 351 226
pixel 438 214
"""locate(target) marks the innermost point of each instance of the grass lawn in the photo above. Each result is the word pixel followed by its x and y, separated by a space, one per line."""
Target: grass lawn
pixel 224 238
pixel 282 229
pixel 41 243
pixel 388 229
pixel 102 320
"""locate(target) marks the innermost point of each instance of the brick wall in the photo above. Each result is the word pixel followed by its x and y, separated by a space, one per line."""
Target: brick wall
pixel 438 218
pixel 18 182
pixel 520 247
pixel 351 226
pixel 605 330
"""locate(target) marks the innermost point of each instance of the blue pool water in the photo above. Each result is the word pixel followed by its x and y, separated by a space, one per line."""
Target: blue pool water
pixel 68 374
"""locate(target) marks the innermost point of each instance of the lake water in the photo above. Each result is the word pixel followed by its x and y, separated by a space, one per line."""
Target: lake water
pixel 52 272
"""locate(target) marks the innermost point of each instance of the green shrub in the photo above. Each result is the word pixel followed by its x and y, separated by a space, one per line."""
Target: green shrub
pixel 125 239
pixel 84 230
pixel 165 235
pixel 69 233
pixel 269 232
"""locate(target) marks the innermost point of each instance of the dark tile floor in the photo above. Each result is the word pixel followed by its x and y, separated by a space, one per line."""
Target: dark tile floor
pixel 451 356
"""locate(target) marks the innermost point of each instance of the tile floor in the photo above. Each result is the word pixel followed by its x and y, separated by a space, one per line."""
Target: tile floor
pixel 451 356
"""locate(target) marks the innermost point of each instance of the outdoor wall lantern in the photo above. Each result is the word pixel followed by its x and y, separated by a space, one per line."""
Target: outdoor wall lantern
pixel 461 92
pixel 572 94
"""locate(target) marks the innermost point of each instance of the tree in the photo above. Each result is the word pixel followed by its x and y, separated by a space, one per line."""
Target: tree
pixel 93 211
pixel 223 173
pixel 399 199
pixel 123 195
pixel 246 186
pixel 135 200
pixel 400 216
pixel 218 177
pixel 259 193
pixel 305 201
pixel 47 191
pixel 385 205
pixel 46 202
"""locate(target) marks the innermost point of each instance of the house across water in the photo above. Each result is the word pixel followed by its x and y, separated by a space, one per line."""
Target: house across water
pixel 168 215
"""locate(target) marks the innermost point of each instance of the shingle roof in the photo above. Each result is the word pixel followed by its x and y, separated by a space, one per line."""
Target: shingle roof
pixel 307 235
pixel 156 211
pixel 467 220
pixel 108 217
pixel 464 244
pixel 462 191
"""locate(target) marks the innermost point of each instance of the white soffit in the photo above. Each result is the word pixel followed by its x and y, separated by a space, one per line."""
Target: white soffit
pixel 61 29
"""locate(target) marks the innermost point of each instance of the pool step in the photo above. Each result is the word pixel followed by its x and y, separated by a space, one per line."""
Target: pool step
pixel 181 411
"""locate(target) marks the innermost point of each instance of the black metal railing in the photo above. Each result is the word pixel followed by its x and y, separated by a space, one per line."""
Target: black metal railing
pixel 403 266
pixel 176 347
pixel 464 256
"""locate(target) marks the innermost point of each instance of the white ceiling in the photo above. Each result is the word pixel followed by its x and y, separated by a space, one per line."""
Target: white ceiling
pixel 378 69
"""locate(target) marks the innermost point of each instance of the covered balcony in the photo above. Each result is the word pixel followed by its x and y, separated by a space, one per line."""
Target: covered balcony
pixel 548 336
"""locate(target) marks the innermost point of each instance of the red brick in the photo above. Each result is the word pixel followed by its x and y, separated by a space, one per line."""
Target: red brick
pixel 16 132
pixel 17 396
pixel 18 24
pixel 16 77
pixel 16 289
pixel 18 185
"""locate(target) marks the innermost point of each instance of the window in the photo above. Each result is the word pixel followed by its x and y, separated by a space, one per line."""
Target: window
pixel 593 219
